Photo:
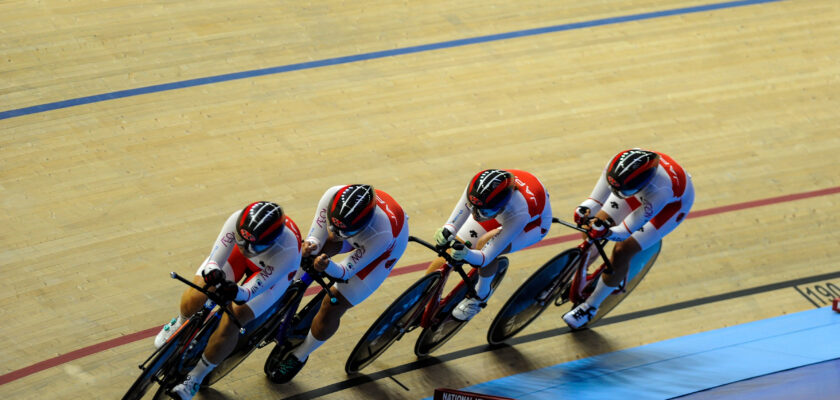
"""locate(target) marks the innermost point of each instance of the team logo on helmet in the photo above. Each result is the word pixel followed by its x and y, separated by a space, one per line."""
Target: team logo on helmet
pixel 247 235
pixel 612 181
pixel 474 200
pixel 340 225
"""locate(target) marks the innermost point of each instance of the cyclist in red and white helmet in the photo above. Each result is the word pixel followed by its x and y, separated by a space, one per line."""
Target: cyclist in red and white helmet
pixel 372 229
pixel 500 212
pixel 259 240
pixel 642 196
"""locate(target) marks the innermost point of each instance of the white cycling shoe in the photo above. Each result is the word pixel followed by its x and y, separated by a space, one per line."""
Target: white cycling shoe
pixel 580 315
pixel 469 307
pixel 166 332
pixel 187 389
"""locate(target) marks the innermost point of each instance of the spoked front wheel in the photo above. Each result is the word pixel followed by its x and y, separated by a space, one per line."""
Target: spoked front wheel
pixel 392 324
pixel 533 296
pixel 164 362
pixel 185 360
pixel 152 371
pixel 435 336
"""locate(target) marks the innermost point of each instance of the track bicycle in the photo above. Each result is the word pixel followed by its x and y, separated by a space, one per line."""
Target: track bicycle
pixel 565 279
pixel 170 364
pixel 293 325
pixel 273 326
pixel 421 306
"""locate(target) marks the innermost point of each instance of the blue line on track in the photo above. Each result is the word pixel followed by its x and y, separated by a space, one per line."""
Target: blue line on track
pixel 369 56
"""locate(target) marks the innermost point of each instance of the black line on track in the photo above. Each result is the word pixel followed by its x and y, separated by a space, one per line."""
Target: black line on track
pixel 400 383
pixel 358 380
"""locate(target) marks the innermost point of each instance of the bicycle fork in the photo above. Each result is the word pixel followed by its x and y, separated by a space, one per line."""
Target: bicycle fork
pixel 579 282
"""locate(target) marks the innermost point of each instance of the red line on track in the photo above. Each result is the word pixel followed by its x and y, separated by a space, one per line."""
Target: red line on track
pixel 147 333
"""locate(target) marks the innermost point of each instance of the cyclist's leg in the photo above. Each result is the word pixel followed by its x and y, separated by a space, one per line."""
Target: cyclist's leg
pixel 191 301
pixel 615 210
pixel 224 338
pixel 349 294
pixel 220 344
pixel 475 235
pixel 469 307
pixel 435 265
pixel 488 272
pixel 533 233
pixel 653 231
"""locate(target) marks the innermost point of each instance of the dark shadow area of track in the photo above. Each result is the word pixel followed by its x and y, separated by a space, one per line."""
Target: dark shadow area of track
pixel 430 361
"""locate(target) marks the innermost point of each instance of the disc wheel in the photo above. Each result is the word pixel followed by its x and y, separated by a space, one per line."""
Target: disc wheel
pixel 545 285
pixel 392 324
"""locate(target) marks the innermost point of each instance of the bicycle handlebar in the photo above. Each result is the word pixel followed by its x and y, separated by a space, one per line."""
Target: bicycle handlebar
pixel 457 265
pixel 306 263
pixel 213 297
pixel 599 244
pixel 568 224
pixel 440 250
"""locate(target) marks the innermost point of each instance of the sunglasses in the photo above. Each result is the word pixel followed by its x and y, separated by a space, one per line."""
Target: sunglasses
pixel 484 213
pixel 252 248
pixel 344 234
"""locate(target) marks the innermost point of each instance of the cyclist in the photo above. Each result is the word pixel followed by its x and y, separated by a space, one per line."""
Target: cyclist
pixel 260 240
pixel 500 212
pixel 370 226
pixel 640 197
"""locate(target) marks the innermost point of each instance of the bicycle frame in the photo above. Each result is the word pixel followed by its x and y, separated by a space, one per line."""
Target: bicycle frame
pixel 207 308
pixel 579 282
pixel 287 320
pixel 435 303
pixel 582 279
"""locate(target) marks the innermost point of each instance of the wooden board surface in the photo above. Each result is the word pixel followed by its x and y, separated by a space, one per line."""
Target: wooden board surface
pixel 101 200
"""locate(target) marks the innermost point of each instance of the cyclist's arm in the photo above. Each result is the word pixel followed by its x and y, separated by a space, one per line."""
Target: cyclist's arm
pixel 223 245
pixel 372 246
pixel 318 231
pixel 459 215
pixel 512 226
pixel 599 195
pixel 284 258
pixel 653 201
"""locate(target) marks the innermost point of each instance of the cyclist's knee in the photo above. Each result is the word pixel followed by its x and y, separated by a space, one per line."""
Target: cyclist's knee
pixel 486 238
pixel 191 299
pixel 243 315
pixel 435 264
pixel 330 310
pixel 625 250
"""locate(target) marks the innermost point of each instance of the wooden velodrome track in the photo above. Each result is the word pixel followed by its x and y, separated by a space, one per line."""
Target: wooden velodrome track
pixel 117 165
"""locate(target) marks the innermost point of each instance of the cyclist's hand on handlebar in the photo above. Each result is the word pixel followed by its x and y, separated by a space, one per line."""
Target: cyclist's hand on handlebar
pixel 442 236
pixel 460 253
pixel 227 291
pixel 307 248
pixel 213 277
pixel 598 229
pixel 582 215
pixel 321 262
